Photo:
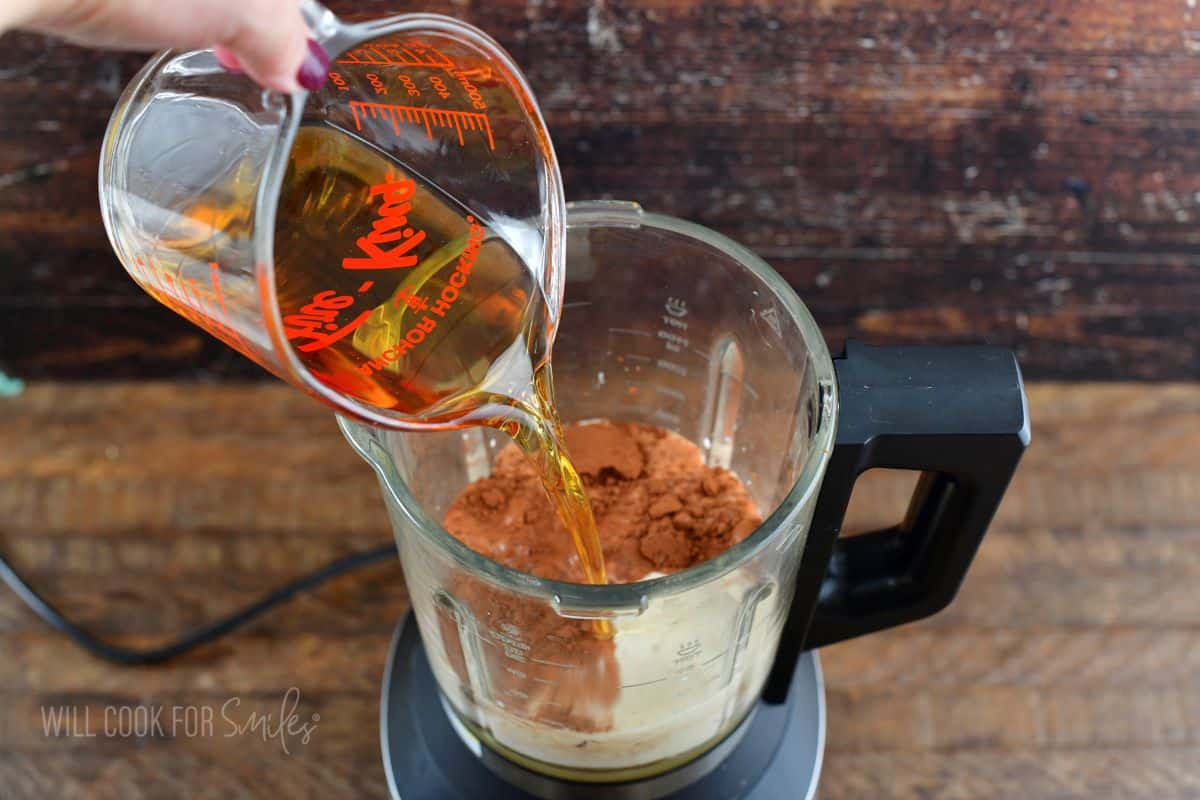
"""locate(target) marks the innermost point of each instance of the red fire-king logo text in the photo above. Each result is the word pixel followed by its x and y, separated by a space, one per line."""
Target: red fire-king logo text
pixel 391 228
pixel 389 245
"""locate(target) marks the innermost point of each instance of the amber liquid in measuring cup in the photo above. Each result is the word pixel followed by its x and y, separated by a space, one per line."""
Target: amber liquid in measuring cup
pixel 394 293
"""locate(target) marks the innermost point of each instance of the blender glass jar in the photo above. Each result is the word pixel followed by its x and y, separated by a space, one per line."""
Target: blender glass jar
pixel 669 324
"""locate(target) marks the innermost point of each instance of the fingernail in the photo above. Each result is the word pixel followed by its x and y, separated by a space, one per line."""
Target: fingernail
pixel 314 71
pixel 228 60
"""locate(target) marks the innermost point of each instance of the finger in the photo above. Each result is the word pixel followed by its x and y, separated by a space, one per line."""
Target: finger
pixel 16 13
pixel 227 59
pixel 269 42
pixel 278 73
pixel 268 38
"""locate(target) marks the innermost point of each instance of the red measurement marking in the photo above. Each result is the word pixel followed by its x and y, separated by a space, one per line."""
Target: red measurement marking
pixel 214 268
pixel 188 296
pixel 431 118
pixel 384 54
pixel 366 285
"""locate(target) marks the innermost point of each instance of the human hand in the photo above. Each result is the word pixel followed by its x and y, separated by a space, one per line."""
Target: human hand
pixel 266 39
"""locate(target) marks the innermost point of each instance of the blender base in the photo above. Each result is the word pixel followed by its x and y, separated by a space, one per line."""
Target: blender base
pixel 774 755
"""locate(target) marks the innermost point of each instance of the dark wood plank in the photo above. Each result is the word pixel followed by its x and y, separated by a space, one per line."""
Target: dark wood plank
pixel 268 662
pixel 1024 174
pixel 980 718
pixel 116 604
pixel 1118 773
pixel 145 772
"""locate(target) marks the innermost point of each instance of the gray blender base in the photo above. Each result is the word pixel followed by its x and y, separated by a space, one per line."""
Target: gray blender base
pixel 774 755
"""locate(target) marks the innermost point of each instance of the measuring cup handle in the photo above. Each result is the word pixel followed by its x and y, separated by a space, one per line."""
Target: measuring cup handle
pixel 958 415
pixel 316 15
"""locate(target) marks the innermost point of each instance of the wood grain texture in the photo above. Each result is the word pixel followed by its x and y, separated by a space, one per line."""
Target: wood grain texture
pixel 1019 173
pixel 1068 668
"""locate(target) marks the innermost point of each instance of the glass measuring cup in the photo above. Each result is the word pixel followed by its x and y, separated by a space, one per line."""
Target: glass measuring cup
pixel 390 243
pixel 672 324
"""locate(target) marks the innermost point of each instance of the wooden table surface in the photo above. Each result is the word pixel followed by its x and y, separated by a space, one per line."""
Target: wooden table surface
pixel 1069 666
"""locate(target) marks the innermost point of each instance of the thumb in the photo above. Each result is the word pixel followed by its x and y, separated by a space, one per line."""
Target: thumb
pixel 269 41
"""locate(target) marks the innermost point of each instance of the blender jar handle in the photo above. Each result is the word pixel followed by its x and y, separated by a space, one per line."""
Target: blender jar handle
pixel 958 415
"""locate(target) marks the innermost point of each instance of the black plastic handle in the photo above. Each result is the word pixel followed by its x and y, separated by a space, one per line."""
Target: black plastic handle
pixel 957 414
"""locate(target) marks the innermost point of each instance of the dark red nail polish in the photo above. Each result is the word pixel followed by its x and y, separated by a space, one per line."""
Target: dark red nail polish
pixel 314 71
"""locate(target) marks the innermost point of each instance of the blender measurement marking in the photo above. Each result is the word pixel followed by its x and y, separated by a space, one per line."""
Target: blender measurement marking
pixel 386 55
pixel 643 683
pixel 429 117
pixel 545 663
pixel 717 657
pixel 675 342
pixel 671 403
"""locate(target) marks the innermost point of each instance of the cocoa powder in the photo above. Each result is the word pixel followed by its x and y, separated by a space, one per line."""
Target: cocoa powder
pixel 659 509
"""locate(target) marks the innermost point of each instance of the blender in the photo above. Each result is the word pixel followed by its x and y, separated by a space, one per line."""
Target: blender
pixel 720 692
pixel 709 686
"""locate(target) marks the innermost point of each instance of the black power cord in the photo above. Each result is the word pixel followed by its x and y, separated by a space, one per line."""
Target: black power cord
pixel 130 657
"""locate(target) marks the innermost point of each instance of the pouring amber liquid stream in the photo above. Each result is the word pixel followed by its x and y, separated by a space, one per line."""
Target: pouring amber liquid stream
pixel 452 325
